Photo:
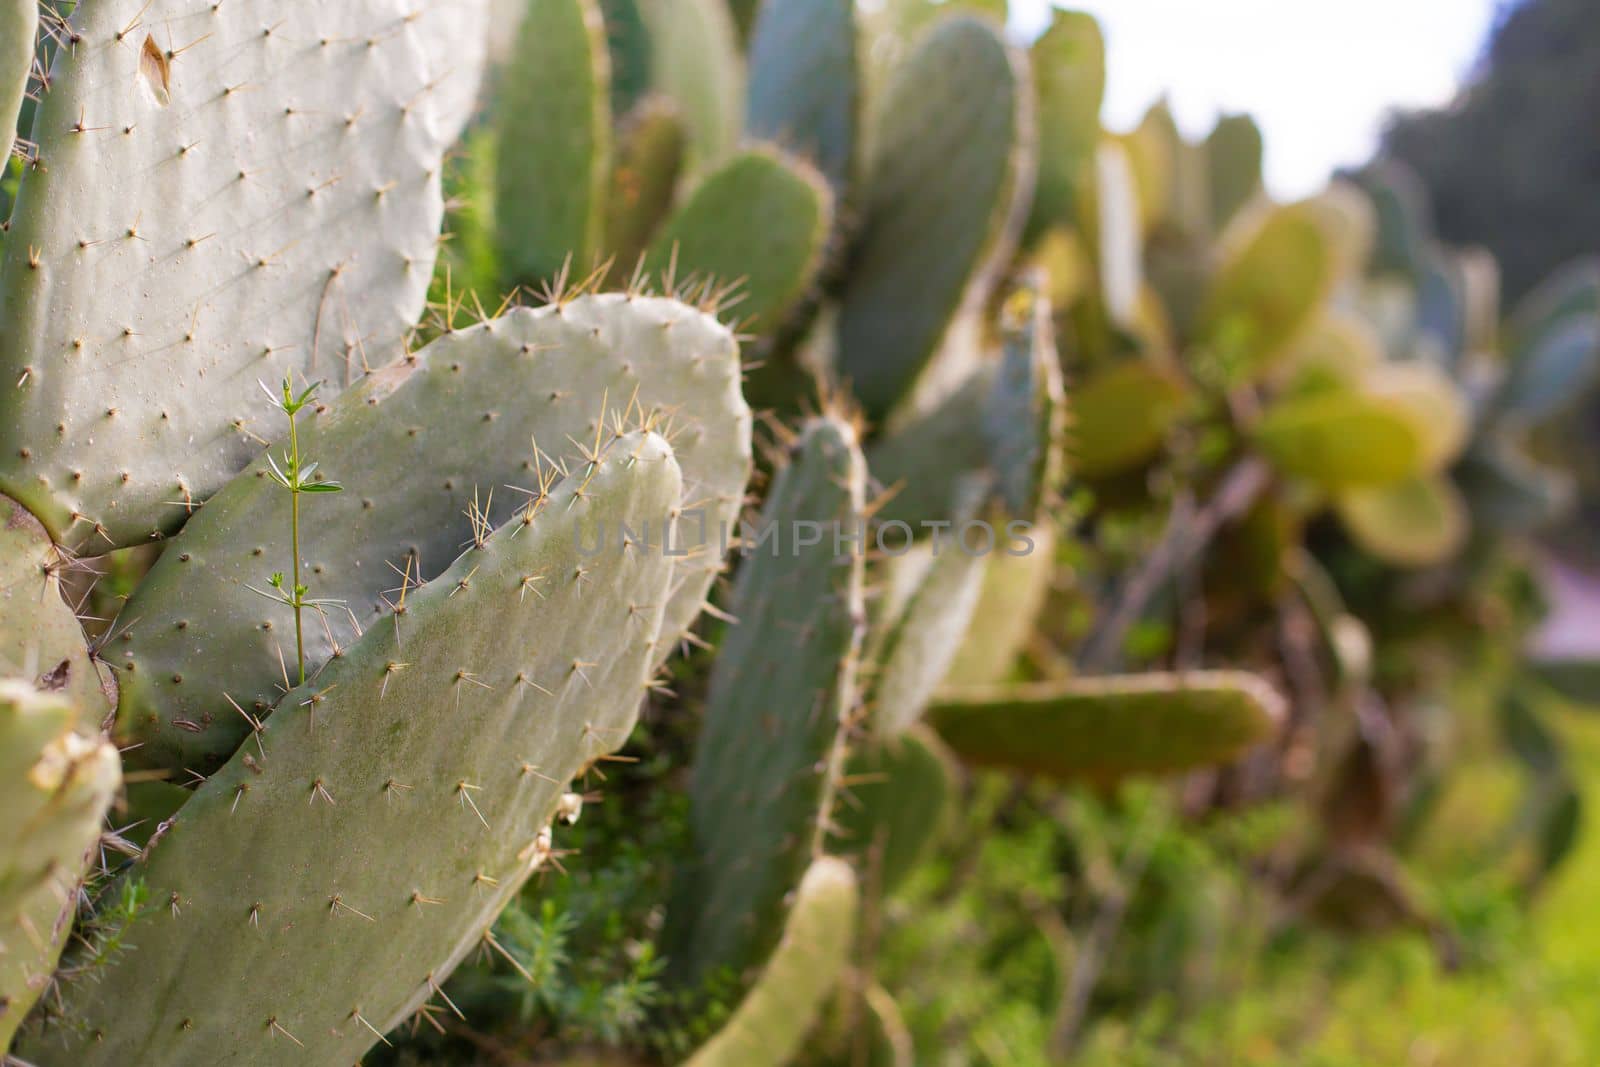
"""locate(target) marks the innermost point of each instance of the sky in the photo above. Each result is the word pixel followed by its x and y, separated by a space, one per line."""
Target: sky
pixel 1318 75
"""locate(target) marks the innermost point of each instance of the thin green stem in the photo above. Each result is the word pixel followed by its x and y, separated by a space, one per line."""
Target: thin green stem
pixel 294 544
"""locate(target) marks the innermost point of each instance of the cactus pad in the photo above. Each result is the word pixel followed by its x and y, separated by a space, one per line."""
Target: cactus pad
pixel 1107 728
pixel 1418 522
pixel 55 787
pixel 39 635
pixel 695 61
pixel 1233 157
pixel 767 759
pixel 1122 415
pixel 1339 440
pixel 470 407
pixel 805 85
pixel 894 799
pixel 324 883
pixel 1069 68
pixel 941 206
pixel 1014 591
pixel 19 22
pixel 771 1024
pixel 277 204
pixel 644 176
pixel 1025 422
pixel 554 152
pixel 759 221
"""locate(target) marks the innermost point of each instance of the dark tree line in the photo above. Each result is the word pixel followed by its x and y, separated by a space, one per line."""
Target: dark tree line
pixel 1515 164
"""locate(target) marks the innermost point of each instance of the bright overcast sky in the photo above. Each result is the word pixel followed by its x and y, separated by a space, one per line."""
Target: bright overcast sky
pixel 1318 75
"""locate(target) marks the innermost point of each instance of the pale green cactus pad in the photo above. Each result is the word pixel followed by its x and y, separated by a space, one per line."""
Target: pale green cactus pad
pixel 1069 69
pixel 1014 591
pixel 19 22
pixel 1121 416
pixel 1280 269
pixel 644 177
pixel 55 787
pixel 39 635
pixel 1026 419
pixel 805 86
pixel 933 591
pixel 695 61
pixel 321 886
pixel 768 755
pixel 277 204
pixel 914 464
pixel 1103 729
pixel 462 417
pixel 1234 153
pixel 941 206
pixel 1554 355
pixel 1339 440
pixel 1418 522
pixel 757 224
pixel 553 157
pixel 770 1025
pixel 895 796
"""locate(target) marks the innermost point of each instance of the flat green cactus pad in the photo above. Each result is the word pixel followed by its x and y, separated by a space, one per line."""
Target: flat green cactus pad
pixel 55 787
pixel 1279 272
pixel 1554 353
pixel 933 592
pixel 1069 68
pixel 941 207
pixel 1103 729
pixel 1013 594
pixel 19 22
pixel 644 177
pixel 771 1023
pixel 1025 422
pixel 758 223
pixel 695 61
pixel 894 799
pixel 553 156
pixel 226 192
pixel 805 85
pixel 322 885
pixel 1415 523
pixel 917 464
pixel 459 422
pixel 1121 416
pixel 1340 440
pixel 768 755
pixel 1234 153
pixel 39 635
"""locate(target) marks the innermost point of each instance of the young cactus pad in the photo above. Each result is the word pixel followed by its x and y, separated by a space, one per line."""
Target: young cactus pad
pixel 226 192
pixel 323 884
pixel 19 22
pixel 895 796
pixel 805 84
pixel 463 417
pixel 942 204
pixel 39 635
pixel 553 162
pixel 770 1025
pixel 758 222
pixel 55 787
pixel 764 770
pixel 1102 729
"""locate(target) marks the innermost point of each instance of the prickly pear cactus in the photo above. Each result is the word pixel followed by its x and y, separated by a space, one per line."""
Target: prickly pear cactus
pixel 770 1025
pixel 224 193
pixel 494 411
pixel 805 83
pixel 56 785
pixel 323 884
pixel 39 636
pixel 1104 728
pixel 943 204
pixel 768 756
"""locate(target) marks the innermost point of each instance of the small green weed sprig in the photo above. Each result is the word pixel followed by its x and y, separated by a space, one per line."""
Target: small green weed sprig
pixel 295 476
